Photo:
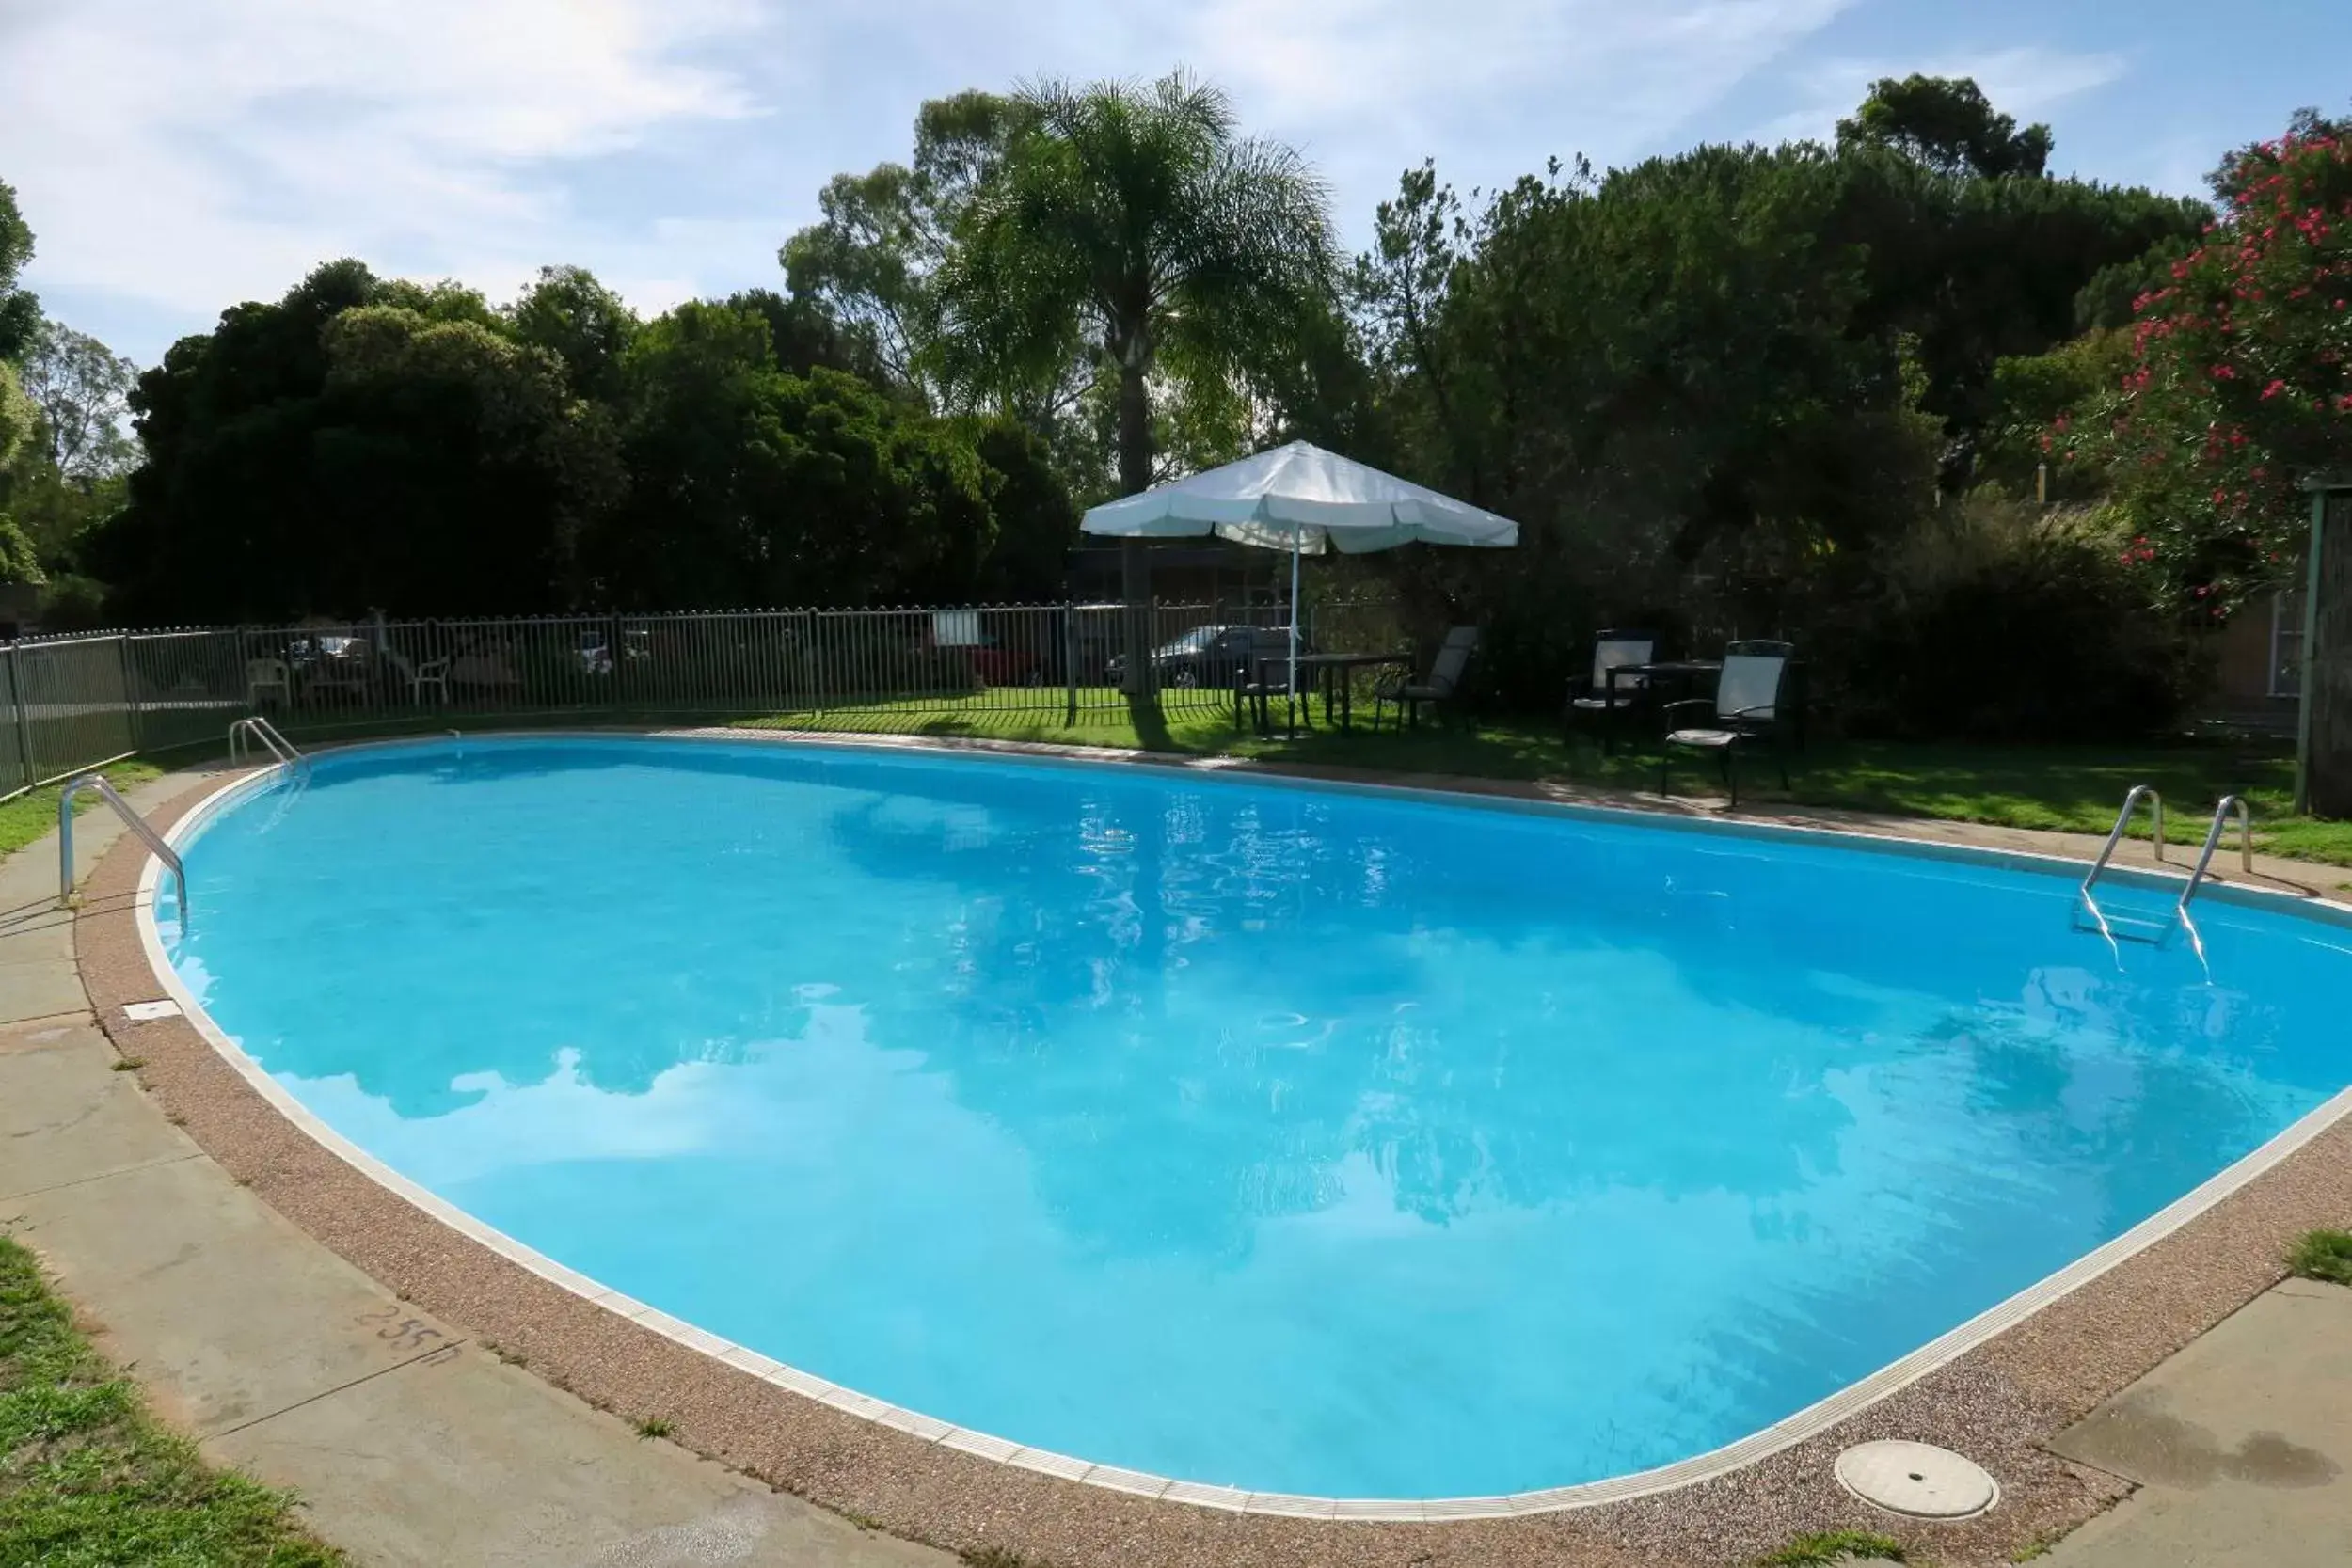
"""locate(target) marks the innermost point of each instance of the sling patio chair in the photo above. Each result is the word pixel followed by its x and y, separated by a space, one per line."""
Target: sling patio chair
pixel 1262 675
pixel 1751 706
pixel 1597 698
pixel 1443 684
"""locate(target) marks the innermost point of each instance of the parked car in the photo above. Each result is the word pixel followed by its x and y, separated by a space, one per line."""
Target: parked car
pixel 1211 655
pixel 994 664
pixel 595 650
pixel 983 658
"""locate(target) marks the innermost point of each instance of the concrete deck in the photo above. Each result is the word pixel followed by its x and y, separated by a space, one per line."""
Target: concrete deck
pixel 2241 1446
pixel 410 1445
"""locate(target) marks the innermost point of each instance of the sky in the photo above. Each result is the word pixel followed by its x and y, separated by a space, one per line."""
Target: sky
pixel 175 157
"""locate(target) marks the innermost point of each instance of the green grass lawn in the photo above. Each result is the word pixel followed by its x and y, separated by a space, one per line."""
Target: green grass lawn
pixel 2073 788
pixel 87 1477
pixel 31 814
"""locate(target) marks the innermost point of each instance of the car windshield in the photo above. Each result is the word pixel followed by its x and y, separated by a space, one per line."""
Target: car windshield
pixel 1192 642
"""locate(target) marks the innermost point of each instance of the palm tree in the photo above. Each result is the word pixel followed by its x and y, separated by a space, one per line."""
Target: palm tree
pixel 1129 227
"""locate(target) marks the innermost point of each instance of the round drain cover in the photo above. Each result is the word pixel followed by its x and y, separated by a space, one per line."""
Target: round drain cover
pixel 1918 1479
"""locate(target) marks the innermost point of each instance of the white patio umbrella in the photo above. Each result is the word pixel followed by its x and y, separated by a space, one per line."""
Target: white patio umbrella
pixel 1303 500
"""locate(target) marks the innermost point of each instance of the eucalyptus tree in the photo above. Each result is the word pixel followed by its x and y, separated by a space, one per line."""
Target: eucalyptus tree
pixel 872 263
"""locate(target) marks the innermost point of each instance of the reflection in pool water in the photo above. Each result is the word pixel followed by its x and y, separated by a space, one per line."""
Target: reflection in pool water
pixel 1295 1140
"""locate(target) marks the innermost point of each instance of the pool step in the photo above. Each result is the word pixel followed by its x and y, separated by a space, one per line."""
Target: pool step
pixel 2153 930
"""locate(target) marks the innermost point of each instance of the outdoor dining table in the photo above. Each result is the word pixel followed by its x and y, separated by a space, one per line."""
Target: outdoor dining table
pixel 1329 671
pixel 1685 673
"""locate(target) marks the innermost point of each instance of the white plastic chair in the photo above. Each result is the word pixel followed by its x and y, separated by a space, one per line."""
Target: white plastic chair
pixel 433 673
pixel 265 675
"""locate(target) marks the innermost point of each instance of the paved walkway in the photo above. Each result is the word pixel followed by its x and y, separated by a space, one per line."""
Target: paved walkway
pixel 2241 1446
pixel 407 1444
pixel 410 1445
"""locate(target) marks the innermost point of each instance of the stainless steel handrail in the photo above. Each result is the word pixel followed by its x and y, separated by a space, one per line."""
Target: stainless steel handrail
pixel 131 820
pixel 2114 837
pixel 2122 824
pixel 262 731
pixel 2212 841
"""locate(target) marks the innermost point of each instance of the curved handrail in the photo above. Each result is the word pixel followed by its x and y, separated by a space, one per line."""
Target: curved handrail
pixel 2212 841
pixel 2123 823
pixel 265 734
pixel 131 820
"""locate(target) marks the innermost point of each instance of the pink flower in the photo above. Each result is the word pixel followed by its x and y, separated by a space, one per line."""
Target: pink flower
pixel 2273 389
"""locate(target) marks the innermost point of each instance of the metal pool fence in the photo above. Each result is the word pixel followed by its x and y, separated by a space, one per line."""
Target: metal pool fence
pixel 76 702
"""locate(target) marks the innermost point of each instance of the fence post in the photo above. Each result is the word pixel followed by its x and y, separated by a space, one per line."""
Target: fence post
pixel 618 655
pixel 1070 659
pixel 131 695
pixel 16 700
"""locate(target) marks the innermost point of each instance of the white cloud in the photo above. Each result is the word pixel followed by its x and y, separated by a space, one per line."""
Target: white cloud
pixel 2024 82
pixel 1323 62
pixel 176 156
pixel 194 153
pixel 1489 88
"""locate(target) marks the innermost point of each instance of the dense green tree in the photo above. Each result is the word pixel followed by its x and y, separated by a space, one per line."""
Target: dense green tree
pixel 753 486
pixel 805 336
pixel 1980 269
pixel 20 416
pixel 364 444
pixel 1671 374
pixel 871 264
pixel 1712 386
pixel 585 325
pixel 72 471
pixel 20 311
pixel 19 421
pixel 1947 123
pixel 1037 520
pixel 357 444
pixel 81 390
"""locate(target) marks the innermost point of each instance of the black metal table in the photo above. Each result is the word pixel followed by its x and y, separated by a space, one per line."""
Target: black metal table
pixel 1328 671
pixel 1687 671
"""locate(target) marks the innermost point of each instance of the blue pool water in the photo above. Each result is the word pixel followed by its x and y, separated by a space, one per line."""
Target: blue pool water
pixel 1289 1139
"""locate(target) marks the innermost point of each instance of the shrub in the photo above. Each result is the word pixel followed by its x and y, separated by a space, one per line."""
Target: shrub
pixel 1836 1546
pixel 1996 621
pixel 2323 1255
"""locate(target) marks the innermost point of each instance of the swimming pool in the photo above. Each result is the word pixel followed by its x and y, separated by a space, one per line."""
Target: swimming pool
pixel 1297 1139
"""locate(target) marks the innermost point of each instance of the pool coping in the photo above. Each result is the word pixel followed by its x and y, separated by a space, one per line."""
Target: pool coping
pixel 1802 1428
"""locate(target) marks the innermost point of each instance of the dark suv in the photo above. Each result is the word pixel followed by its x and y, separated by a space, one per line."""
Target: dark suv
pixel 1212 656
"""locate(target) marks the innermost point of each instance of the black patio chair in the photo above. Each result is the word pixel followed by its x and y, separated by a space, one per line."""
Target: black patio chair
pixel 1751 706
pixel 1594 698
pixel 1263 676
pixel 1448 673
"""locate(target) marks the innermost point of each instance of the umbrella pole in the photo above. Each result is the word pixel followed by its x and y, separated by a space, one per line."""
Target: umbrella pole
pixel 1298 537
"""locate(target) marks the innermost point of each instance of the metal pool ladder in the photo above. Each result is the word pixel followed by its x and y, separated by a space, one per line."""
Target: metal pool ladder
pixel 2123 825
pixel 262 735
pixel 131 820
pixel 2212 841
pixel 2114 837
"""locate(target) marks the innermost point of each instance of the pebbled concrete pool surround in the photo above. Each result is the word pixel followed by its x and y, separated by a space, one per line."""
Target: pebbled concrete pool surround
pixel 1997 1402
